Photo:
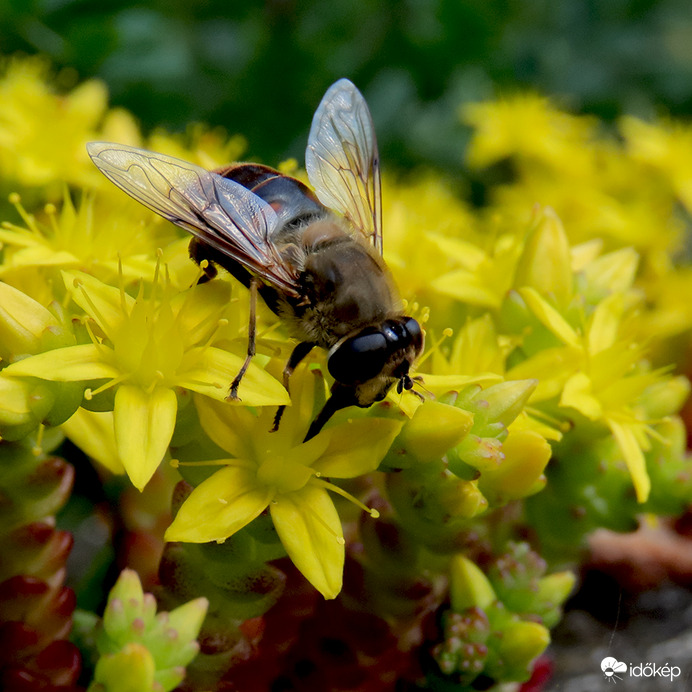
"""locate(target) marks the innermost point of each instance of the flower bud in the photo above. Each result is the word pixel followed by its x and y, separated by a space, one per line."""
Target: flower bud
pixel 458 498
pixel 521 643
pixel 666 397
pixel 131 668
pixel 22 323
pixel 482 453
pixel 469 587
pixel 434 428
pixel 526 454
pixel 17 417
pixel 156 647
pixel 553 591
pixel 463 649
pixel 501 403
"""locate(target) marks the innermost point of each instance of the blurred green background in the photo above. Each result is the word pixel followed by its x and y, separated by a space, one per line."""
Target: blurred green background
pixel 260 68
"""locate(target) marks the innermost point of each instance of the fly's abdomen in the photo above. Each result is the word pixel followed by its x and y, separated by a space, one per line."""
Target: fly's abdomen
pixel 295 204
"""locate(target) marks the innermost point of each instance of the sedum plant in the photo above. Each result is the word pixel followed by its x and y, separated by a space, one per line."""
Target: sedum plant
pixel 393 544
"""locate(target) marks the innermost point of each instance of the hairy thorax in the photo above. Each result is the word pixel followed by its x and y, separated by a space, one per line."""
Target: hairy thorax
pixel 343 284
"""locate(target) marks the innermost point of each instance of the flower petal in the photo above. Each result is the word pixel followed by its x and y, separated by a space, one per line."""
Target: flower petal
pixel 210 371
pixel 93 433
pixel 226 425
pixel 357 447
pixel 549 316
pixel 144 425
pixel 220 506
pixel 105 304
pixel 70 364
pixel 578 394
pixel 626 438
pixel 310 529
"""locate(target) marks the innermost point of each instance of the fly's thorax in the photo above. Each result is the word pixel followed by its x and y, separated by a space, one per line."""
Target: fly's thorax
pixel 344 284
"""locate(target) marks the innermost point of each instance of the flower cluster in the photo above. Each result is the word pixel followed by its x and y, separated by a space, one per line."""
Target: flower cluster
pixel 549 403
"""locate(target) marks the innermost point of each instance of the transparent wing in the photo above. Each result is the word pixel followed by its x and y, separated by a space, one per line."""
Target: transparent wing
pixel 218 211
pixel 342 162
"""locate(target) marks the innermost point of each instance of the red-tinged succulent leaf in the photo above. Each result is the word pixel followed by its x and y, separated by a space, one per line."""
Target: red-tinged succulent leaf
pixel 35 549
pixel 61 662
pixel 36 603
pixel 17 643
pixel 39 494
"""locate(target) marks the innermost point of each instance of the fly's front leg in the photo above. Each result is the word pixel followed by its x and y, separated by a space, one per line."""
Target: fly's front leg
pixel 251 335
pixel 297 355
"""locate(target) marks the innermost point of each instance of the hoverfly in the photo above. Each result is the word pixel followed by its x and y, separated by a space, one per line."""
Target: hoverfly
pixel 314 258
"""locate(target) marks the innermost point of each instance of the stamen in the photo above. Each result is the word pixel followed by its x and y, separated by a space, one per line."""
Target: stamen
pixel 562 425
pixel 220 324
pixel 652 432
pixel 90 393
pixel 121 285
pixel 200 272
pixel 29 219
pixel 87 325
pixel 447 333
pixel 233 463
pixel 37 449
pixel 86 205
pixel 51 212
pixel 99 317
pixel 158 378
pixel 340 491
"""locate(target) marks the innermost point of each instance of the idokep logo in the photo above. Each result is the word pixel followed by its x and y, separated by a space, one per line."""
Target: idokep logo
pixel 615 670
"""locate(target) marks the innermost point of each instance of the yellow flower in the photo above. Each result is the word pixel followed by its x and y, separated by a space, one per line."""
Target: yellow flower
pixel 597 373
pixel 146 347
pixel 42 133
pixel 277 471
pixel 99 237
pixel 418 217
pixel 482 278
pixel 208 148
pixel 527 126
pixel 667 149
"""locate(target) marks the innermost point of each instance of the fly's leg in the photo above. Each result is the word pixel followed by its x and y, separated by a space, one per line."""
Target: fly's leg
pixel 297 355
pixel 251 334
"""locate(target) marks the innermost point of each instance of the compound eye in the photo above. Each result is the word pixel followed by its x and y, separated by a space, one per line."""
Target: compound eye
pixel 359 358
pixel 413 328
